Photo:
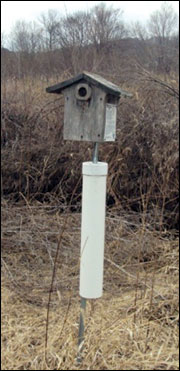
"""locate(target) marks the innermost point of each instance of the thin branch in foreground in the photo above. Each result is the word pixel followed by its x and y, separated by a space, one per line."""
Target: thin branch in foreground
pixel 54 269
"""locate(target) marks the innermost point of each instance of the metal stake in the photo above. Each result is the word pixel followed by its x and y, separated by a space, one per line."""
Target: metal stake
pixel 81 330
pixel 95 153
pixel 83 300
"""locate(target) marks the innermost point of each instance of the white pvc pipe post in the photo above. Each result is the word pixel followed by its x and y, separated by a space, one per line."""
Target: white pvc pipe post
pixel 93 229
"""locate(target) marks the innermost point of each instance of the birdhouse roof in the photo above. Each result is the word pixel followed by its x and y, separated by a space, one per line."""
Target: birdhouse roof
pixel 91 78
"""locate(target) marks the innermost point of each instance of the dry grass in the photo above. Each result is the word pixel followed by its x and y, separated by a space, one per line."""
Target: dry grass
pixel 134 326
pixel 143 163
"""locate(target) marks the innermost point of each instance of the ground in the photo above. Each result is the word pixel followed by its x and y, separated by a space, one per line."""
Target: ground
pixel 134 326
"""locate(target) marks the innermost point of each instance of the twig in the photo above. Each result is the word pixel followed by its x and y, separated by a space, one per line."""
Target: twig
pixel 134 277
pixel 54 268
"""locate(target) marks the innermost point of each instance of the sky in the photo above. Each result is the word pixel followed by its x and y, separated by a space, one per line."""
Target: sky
pixel 11 11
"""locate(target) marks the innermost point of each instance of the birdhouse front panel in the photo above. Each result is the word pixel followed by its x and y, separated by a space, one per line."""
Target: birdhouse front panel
pixel 84 112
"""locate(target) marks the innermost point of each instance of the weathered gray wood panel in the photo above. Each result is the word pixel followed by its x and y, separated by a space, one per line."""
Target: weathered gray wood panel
pixel 84 120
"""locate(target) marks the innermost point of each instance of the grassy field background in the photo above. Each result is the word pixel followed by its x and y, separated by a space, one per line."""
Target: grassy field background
pixel 135 324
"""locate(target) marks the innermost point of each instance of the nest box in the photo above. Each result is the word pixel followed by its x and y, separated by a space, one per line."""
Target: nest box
pixel 90 107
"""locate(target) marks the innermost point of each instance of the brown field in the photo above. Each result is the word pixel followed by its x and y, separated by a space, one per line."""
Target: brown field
pixel 133 326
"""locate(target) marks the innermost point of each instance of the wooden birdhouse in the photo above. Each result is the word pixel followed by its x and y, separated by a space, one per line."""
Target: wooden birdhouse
pixel 90 107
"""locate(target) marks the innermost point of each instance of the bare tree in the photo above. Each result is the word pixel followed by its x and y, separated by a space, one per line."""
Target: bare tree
pixel 3 39
pixel 163 22
pixel 20 37
pixel 162 26
pixel 98 26
pixel 35 37
pixel 138 31
pixel 85 37
pixel 73 39
pixel 142 51
pixel 25 37
pixel 25 43
pixel 74 30
pixel 51 23
pixel 106 25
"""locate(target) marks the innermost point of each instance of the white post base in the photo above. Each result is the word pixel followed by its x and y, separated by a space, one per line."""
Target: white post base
pixel 93 229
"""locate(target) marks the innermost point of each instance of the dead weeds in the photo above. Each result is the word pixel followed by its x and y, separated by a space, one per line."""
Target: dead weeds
pixel 134 326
